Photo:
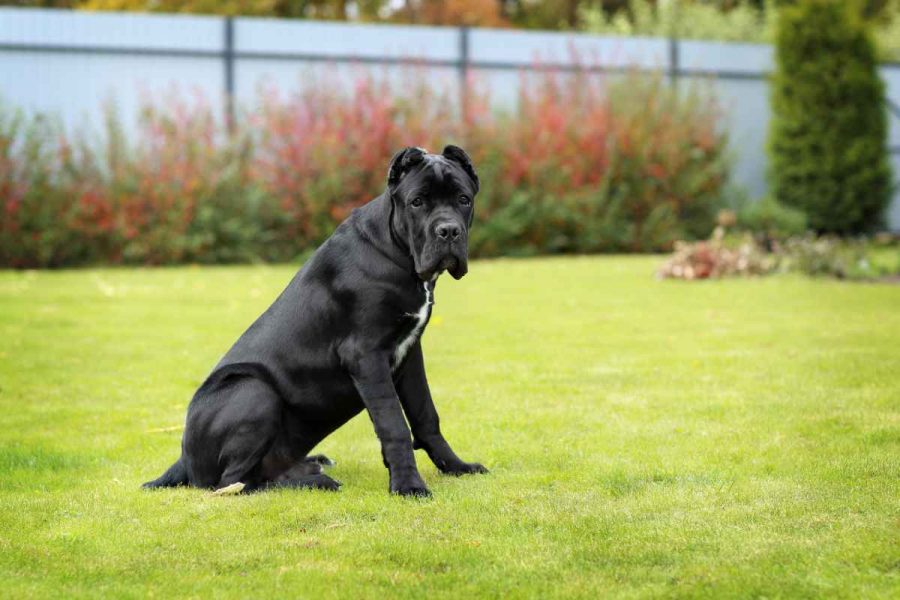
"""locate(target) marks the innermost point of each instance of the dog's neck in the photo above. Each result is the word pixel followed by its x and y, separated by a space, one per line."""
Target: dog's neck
pixel 374 222
pixel 396 236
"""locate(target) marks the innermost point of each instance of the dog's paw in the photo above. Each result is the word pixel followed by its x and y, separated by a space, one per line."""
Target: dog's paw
pixel 409 485
pixel 464 468
pixel 320 459
pixel 413 491
pixel 324 482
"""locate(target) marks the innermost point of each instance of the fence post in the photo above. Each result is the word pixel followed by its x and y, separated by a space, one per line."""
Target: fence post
pixel 674 61
pixel 228 63
pixel 463 65
pixel 674 47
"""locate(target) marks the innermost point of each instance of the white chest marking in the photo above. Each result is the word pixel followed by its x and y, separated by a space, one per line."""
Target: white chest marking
pixel 421 317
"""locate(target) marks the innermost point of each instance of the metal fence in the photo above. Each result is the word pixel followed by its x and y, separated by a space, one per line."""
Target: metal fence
pixel 69 63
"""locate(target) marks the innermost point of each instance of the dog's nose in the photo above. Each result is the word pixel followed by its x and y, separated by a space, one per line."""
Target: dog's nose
pixel 448 231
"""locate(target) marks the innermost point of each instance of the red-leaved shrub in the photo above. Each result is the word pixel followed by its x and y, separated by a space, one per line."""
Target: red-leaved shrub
pixel 584 163
pixel 324 151
pixel 589 164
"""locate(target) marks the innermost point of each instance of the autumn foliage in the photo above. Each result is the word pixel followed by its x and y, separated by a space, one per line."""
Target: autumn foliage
pixel 582 164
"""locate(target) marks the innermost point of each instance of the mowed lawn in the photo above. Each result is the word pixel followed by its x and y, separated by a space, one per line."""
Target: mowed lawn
pixel 737 438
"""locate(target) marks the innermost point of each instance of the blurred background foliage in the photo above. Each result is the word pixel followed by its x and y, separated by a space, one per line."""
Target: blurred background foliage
pixel 585 163
pixel 829 128
pixel 733 20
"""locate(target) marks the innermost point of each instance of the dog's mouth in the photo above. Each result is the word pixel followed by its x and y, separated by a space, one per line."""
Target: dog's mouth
pixel 453 263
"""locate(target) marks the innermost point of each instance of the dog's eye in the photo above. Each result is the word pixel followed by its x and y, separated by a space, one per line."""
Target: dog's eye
pixel 465 200
pixel 417 202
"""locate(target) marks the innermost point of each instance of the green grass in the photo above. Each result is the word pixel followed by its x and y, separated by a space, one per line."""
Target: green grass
pixel 720 439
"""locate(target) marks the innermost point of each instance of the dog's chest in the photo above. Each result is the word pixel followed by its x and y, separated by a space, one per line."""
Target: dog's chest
pixel 419 320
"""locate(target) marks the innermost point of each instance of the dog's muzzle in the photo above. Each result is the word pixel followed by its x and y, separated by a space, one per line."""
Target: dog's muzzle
pixel 445 251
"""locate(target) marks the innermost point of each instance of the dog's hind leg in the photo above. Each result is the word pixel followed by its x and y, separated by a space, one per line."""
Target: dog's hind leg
pixel 304 474
pixel 319 482
pixel 230 431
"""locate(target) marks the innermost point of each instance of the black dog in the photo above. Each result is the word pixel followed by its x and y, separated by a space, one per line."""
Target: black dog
pixel 343 336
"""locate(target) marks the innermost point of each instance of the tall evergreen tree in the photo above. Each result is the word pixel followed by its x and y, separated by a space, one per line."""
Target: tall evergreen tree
pixel 828 138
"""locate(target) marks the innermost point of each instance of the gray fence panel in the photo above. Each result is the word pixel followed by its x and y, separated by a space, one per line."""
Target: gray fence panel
pixel 110 30
pixel 257 78
pixel 893 216
pixel 751 60
pixel 746 107
pixel 891 76
pixel 527 48
pixel 274 36
pixel 76 90
pixel 737 73
pixel 278 56
pixel 77 63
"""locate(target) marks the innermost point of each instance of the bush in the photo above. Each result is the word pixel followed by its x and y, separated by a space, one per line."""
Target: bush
pixel 585 165
pixel 732 21
pixel 41 213
pixel 829 132
pixel 581 166
pixel 770 221
pixel 323 151
pixel 743 21
pixel 717 258
pixel 830 256
pixel 181 190
pixel 887 31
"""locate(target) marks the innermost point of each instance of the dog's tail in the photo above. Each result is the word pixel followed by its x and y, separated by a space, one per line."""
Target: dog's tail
pixel 175 475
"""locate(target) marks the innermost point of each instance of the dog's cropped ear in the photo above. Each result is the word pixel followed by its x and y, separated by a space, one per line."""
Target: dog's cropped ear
pixel 402 162
pixel 459 156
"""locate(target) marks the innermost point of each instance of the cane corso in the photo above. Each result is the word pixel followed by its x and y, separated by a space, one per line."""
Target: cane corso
pixel 342 337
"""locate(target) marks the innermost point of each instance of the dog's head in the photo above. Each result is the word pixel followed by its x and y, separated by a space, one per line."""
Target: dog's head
pixel 432 205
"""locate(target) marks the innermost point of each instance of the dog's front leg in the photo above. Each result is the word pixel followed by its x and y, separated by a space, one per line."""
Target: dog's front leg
pixel 415 396
pixel 372 377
